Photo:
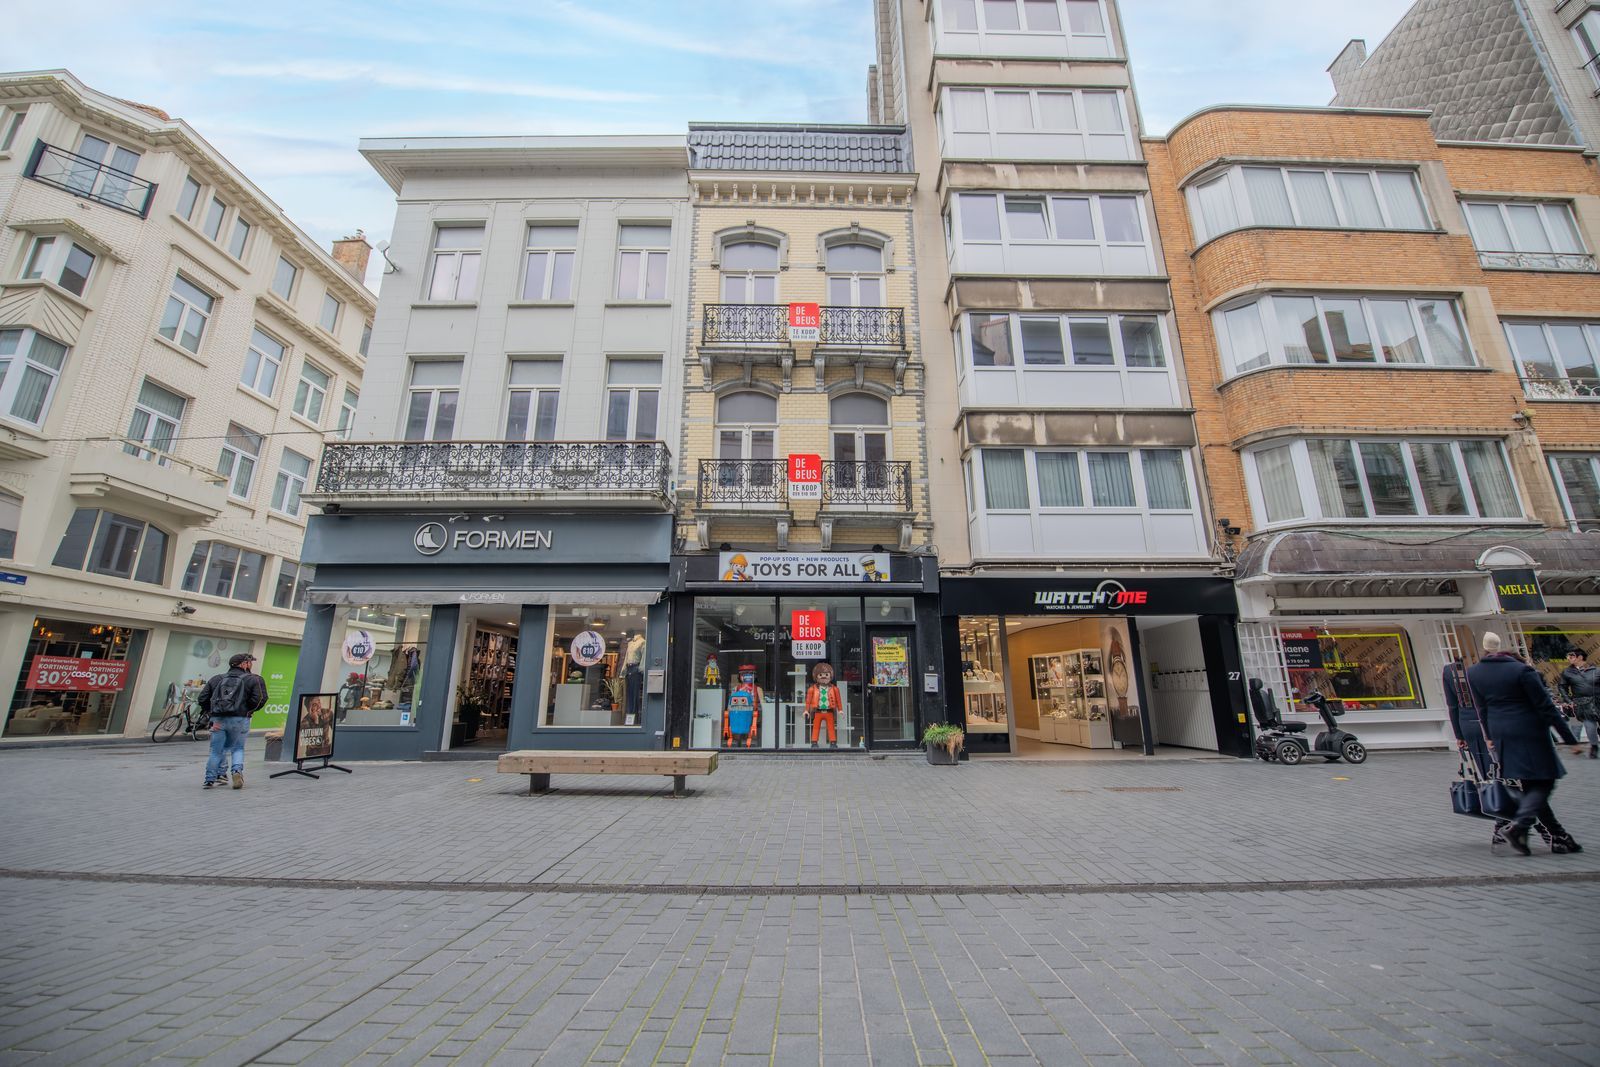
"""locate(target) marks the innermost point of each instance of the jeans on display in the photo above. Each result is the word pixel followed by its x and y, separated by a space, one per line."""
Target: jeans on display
pixel 226 740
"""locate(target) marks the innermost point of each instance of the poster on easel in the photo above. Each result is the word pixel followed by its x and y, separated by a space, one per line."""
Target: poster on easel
pixel 314 730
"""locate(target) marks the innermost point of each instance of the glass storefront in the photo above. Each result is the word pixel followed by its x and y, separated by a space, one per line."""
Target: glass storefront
pixel 76 678
pixel 379 652
pixel 1369 668
pixel 983 675
pixel 191 659
pixel 597 664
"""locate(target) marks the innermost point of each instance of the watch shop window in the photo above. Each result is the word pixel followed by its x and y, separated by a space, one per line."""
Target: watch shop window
pixel 1557 360
pixel 311 394
pixel 642 250
pixel 262 361
pixel 224 570
pixel 103 542
pixel 56 259
pixel 1382 481
pixel 154 427
pixel 1291 197
pixel 241 451
pixel 532 399
pixel 633 395
pixel 1526 236
pixel 454 265
pixel 431 400
pixel 1578 478
pixel 1345 331
pixel 293 581
pixel 283 278
pixel 294 471
pixel 1367 668
pixel 10 523
pixel 30 370
pixel 552 250
pixel 598 659
pixel 188 310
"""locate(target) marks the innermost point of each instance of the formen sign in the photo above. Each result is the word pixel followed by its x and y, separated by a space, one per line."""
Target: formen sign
pixel 432 538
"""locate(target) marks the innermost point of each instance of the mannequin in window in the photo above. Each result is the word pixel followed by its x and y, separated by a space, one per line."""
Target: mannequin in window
pixel 742 719
pixel 633 675
pixel 822 704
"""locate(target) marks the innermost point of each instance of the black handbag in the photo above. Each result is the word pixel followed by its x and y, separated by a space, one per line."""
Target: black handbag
pixel 1464 799
pixel 1497 797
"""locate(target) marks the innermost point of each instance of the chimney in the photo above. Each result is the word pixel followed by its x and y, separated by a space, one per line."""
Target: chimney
pixel 874 112
pixel 1347 62
pixel 352 254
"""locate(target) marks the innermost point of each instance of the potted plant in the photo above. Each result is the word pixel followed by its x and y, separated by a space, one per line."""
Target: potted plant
pixel 943 742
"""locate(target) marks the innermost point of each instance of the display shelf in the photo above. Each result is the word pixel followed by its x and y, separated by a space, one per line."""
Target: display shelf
pixel 1070 694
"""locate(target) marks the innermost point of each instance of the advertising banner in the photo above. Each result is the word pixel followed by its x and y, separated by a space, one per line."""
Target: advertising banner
pixel 277 670
pixel 75 675
pixel 313 732
pixel 810 567
pixel 891 667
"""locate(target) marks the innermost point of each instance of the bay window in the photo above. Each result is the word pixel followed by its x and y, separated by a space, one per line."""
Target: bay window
pixel 30 369
pixel 1557 360
pixel 1035 124
pixel 1022 27
pixel 1066 360
pixel 1381 480
pixel 1063 234
pixel 1578 480
pixel 1319 198
pixel 54 258
pixel 103 542
pixel 1527 236
pixel 1294 328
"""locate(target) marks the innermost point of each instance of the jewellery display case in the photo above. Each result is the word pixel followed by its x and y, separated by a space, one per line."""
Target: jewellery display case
pixel 1070 691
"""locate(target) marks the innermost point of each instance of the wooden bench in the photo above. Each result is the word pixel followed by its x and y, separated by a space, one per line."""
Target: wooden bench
pixel 540 764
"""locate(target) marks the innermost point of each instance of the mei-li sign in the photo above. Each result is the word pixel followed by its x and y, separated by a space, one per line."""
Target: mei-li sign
pixel 1517 589
pixel 805 477
pixel 805 322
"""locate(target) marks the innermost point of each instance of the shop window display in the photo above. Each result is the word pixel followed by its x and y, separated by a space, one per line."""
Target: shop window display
pixel 597 667
pixel 379 659
pixel 1369 669
pixel 191 659
pixel 76 678
pixel 1546 647
pixel 983 675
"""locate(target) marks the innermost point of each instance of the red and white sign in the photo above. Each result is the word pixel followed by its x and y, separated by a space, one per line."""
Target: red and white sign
pixel 78 675
pixel 805 477
pixel 805 322
pixel 808 625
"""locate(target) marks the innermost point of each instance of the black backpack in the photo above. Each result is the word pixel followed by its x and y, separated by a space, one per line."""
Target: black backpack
pixel 231 696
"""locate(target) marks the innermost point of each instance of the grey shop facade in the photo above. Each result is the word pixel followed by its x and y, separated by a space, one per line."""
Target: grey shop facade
pixel 482 631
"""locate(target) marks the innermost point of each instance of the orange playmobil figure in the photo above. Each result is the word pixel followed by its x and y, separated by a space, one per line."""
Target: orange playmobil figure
pixel 742 721
pixel 822 704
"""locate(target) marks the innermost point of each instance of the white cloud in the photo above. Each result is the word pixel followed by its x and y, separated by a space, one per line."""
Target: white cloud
pixel 398 78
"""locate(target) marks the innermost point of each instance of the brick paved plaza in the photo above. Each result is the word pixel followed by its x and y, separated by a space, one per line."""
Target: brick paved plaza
pixel 790 911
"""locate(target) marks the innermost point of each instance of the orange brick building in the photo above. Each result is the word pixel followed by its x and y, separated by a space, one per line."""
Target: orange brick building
pixel 1393 350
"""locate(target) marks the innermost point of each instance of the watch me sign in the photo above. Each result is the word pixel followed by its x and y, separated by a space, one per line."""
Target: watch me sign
pixel 1109 595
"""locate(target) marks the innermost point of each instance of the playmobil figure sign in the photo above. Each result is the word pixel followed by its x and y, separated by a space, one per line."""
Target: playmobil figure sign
pixel 805 477
pixel 805 322
pixel 808 567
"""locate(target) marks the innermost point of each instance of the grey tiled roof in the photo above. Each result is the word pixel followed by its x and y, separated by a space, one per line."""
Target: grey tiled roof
pixel 1337 553
pixel 824 149
pixel 1472 64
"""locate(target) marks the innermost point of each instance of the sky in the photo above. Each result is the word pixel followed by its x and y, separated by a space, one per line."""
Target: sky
pixel 287 89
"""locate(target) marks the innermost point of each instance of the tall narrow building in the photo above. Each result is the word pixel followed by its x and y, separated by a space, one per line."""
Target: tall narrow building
pixel 1082 599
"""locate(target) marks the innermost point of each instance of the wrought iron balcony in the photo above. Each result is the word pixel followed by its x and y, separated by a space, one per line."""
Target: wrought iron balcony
pixel 744 324
pixel 864 326
pixel 874 485
pixel 594 470
pixel 1563 261
pixel 84 177
pixel 1540 388
pixel 743 482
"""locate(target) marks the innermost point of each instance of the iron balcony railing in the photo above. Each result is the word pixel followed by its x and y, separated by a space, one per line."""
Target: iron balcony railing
pixel 1573 261
pixel 590 468
pixel 879 484
pixel 1538 388
pixel 743 481
pixel 82 176
pixel 769 324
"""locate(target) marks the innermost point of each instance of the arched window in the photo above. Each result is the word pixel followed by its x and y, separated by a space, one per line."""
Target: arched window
pixel 855 275
pixel 860 424
pixel 749 273
pixel 747 434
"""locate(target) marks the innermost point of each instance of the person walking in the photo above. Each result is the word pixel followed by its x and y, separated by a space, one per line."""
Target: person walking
pixel 230 699
pixel 1580 687
pixel 1518 716
pixel 1466 723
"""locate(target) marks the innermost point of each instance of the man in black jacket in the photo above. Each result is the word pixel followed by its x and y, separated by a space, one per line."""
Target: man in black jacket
pixel 1580 688
pixel 230 699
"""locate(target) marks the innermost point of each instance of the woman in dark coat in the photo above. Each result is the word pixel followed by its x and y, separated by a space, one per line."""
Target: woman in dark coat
pixel 1519 714
pixel 1469 733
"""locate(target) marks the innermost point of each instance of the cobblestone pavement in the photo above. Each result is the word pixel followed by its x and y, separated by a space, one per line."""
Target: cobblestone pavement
pixel 794 912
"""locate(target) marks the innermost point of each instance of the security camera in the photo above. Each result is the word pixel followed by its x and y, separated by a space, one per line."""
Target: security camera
pixel 183 609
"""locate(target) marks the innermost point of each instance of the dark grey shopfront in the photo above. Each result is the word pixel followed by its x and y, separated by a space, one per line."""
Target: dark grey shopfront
pixel 487 631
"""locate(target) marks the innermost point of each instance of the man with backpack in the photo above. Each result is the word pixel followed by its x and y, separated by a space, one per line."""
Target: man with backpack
pixel 230 699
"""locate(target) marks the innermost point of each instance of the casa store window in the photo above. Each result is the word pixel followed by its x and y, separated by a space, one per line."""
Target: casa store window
pixel 77 679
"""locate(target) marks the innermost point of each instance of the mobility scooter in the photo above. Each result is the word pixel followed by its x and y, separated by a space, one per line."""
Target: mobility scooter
pixel 1285 742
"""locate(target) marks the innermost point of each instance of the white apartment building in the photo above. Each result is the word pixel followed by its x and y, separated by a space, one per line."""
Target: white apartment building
pixel 173 353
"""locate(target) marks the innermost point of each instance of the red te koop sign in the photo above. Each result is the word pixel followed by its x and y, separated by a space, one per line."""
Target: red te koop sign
pixel 808 625
pixel 805 322
pixel 805 477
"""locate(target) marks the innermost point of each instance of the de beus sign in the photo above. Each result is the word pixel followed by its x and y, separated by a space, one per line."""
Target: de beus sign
pixel 1517 589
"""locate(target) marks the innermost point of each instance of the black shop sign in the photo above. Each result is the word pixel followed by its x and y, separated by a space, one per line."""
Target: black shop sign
pixel 1517 589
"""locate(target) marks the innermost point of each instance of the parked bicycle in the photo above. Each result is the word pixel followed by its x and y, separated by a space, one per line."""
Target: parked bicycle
pixel 182 717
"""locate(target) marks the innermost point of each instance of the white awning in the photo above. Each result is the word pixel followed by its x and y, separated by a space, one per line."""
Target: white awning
pixel 410 597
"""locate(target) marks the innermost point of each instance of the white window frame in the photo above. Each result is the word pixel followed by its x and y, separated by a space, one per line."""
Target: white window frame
pixel 1311 504
pixel 307 390
pixel 1515 258
pixel 11 120
pixel 1113 320
pixel 751 279
pixel 978 504
pixel 191 190
pixel 1574 522
pixel 250 377
pixel 47 257
pixel 551 254
pixel 1586 34
pixel 115 166
pixel 239 236
pixel 188 311
pixel 1267 317
pixel 1022 40
pixel 854 278
pixel 203 550
pixel 537 397
pixel 1238 197
pixel 1563 386
pixel 347 411
pixel 647 254
pixel 448 288
pixel 287 292
pixel 153 419
pixel 10 523
pixel 330 323
pixel 635 391
pixel 1006 241
pixel 1080 114
pixel 237 463
pixel 290 484
pixel 19 362
pixel 433 394
pixel 215 218
pixel 366 339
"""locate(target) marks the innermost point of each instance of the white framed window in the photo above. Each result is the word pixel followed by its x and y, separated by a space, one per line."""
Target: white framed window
pixel 457 257
pixel 749 272
pixel 1577 476
pixel 55 258
pixel 294 579
pixel 855 274
pixel 1343 330
pixel 331 307
pixel 294 471
pixel 859 443
pixel 633 397
pixel 548 260
pixel 431 400
pixel 216 212
pixel 1557 360
pixel 157 417
pixel 366 339
pixel 188 310
pixel 1526 235
pixel 241 450
pixel 188 198
pixel 312 392
pixel 10 523
pixel 347 411
pixel 1317 198
pixel 1018 123
pixel 30 370
pixel 533 396
pixel 11 120
pixel 262 361
pixel 1023 27
pixel 239 238
pixel 1380 480
pixel 107 165
pixel 118 546
pixel 1022 233
pixel 284 275
pixel 224 570
pixel 1586 31
pixel 747 429
pixel 1010 339
pixel 642 251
